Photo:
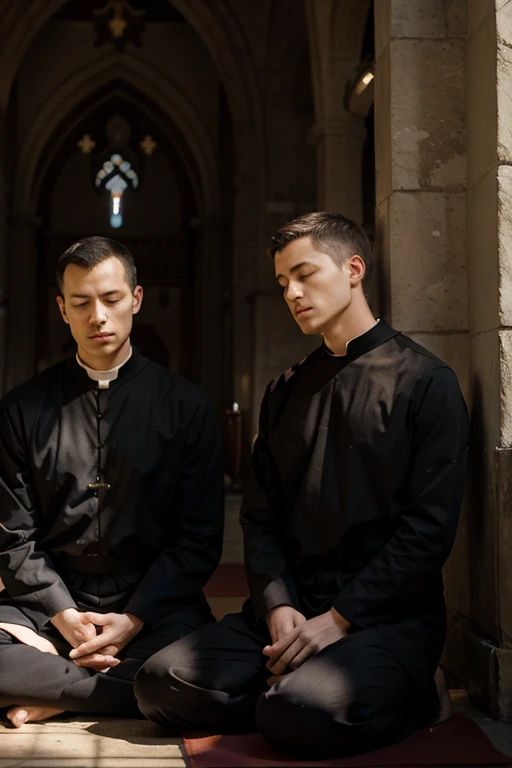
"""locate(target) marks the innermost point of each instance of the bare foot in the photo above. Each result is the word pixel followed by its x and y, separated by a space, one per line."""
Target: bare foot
pixel 445 702
pixel 21 715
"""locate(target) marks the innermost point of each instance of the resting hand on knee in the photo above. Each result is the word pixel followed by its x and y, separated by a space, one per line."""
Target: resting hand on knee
pixel 304 641
pixel 74 626
pixel 282 620
pixel 117 630
pixel 100 661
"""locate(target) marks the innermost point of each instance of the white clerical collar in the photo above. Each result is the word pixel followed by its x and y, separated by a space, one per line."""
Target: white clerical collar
pixel 103 378
pixel 351 340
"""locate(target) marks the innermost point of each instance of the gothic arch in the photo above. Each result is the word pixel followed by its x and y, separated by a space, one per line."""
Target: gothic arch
pixel 81 85
pixel 215 24
pixel 115 90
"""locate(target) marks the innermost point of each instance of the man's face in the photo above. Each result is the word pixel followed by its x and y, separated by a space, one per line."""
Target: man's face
pixel 315 289
pixel 98 306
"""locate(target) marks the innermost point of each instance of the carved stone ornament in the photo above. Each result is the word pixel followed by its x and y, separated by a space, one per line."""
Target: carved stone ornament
pixel 118 22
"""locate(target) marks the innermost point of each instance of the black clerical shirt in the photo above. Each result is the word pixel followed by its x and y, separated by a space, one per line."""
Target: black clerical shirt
pixel 131 474
pixel 356 482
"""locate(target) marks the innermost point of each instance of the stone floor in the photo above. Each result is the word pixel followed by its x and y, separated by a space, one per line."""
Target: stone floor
pixel 112 743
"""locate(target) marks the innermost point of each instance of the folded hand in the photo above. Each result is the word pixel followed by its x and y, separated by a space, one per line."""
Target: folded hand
pixel 305 641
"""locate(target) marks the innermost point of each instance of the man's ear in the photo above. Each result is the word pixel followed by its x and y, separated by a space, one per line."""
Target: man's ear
pixel 62 307
pixel 137 298
pixel 357 269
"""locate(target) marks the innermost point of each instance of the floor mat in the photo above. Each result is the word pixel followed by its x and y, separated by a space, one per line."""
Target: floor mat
pixel 229 580
pixel 459 742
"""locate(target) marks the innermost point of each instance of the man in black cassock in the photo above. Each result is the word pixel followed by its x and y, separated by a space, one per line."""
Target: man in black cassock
pixel 111 505
pixel 349 513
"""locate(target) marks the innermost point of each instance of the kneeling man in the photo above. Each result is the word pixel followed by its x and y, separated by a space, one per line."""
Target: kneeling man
pixel 111 505
pixel 349 513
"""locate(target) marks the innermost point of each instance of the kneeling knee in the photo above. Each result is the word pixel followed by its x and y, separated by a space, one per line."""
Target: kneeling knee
pixel 298 717
pixel 289 723
pixel 167 693
pixel 154 691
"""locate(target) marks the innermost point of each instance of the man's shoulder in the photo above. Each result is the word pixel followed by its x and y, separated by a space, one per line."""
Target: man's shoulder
pixel 170 384
pixel 31 391
pixel 287 377
pixel 422 362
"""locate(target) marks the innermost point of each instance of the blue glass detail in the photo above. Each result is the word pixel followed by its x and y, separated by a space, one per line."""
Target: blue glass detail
pixel 116 220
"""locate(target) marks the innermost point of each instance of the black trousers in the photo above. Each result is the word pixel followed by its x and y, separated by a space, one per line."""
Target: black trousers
pixel 353 696
pixel 29 676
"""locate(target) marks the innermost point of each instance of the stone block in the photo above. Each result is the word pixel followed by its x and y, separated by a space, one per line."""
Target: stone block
pixel 428 261
pixel 456 18
pixel 504 225
pixel 504 22
pixel 481 96
pixel 504 88
pixel 415 18
pixel 477 12
pixel 428 131
pixel 437 18
pixel 383 159
pixel 483 254
pixel 505 338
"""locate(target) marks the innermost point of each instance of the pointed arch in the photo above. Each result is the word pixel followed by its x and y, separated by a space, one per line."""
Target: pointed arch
pixel 82 84
pixel 216 25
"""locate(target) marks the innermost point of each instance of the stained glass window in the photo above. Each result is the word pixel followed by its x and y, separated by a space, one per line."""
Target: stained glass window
pixel 116 175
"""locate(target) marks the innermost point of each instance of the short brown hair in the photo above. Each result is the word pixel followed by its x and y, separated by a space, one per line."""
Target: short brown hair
pixel 333 234
pixel 91 251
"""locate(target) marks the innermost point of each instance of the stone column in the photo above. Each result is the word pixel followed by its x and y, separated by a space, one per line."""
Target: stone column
pixel 339 162
pixel 335 35
pixel 482 622
pixel 421 171
pixel 22 297
pixel 421 191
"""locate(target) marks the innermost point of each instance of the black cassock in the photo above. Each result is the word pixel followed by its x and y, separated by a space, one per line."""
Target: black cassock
pixel 110 499
pixel 352 501
pixel 357 482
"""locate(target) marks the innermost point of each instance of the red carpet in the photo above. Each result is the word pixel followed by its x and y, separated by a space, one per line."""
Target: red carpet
pixel 457 742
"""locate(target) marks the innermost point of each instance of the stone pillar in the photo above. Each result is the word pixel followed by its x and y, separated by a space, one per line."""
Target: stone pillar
pixel 335 36
pixel 22 297
pixel 421 171
pixel 421 195
pixel 482 622
pixel 339 162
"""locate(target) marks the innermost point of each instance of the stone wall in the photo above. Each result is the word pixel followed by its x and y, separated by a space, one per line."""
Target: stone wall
pixel 482 624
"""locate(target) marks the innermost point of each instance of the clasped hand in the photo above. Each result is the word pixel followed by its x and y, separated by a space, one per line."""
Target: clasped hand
pixel 303 641
pixel 96 638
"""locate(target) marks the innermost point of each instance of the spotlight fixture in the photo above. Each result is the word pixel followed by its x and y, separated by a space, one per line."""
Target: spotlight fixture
pixel 360 94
